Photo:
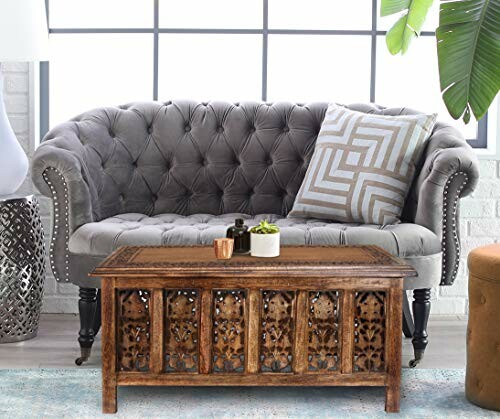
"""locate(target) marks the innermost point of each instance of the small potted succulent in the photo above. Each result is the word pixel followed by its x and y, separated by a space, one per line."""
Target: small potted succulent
pixel 265 240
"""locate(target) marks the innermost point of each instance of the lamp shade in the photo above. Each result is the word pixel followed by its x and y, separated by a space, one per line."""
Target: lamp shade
pixel 23 30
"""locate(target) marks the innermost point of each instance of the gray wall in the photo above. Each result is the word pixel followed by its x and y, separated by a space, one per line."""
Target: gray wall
pixel 480 223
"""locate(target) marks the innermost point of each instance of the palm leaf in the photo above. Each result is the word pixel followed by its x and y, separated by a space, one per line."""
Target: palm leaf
pixel 408 26
pixel 469 55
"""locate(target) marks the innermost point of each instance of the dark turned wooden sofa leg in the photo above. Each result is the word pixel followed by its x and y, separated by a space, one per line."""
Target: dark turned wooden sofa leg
pixel 87 306
pixel 408 327
pixel 421 310
pixel 97 316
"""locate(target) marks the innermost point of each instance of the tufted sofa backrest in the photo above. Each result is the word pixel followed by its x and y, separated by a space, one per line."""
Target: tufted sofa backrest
pixel 186 157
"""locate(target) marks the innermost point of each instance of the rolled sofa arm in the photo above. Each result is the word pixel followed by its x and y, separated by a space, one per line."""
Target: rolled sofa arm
pixel 59 172
pixel 450 171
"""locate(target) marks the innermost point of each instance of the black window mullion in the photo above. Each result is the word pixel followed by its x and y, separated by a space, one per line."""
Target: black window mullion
pixel 482 134
pixel 373 60
pixel 156 42
pixel 265 40
pixel 44 89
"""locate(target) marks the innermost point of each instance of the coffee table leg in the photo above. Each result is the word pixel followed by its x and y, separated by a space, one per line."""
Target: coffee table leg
pixel 395 322
pixel 109 404
pixel 392 398
pixel 108 314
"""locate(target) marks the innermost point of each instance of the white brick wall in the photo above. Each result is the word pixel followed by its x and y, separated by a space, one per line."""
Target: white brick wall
pixel 480 213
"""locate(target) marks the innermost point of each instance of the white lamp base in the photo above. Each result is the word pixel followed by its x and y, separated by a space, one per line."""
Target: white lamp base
pixel 13 161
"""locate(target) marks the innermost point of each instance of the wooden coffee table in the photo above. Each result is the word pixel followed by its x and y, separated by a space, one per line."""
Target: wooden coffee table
pixel 315 316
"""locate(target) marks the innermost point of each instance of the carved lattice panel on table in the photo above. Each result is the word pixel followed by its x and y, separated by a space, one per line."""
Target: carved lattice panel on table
pixel 277 329
pixel 228 331
pixel 323 347
pixel 134 330
pixel 369 331
pixel 181 330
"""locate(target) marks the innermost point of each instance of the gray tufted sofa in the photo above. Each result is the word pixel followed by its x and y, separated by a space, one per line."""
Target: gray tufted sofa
pixel 178 173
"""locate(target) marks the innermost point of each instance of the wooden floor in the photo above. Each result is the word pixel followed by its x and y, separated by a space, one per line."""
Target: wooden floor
pixel 56 345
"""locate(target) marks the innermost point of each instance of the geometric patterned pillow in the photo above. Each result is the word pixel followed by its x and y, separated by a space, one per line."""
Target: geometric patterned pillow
pixel 362 166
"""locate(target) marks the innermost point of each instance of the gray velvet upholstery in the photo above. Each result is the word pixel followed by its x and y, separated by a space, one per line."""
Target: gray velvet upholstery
pixel 164 165
pixel 103 237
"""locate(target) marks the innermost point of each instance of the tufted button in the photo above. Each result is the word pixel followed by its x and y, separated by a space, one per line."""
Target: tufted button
pixel 204 162
pixel 483 299
pixel 111 133
pixel 220 129
pixel 251 129
pixel 286 129
pixel 155 197
pixel 150 129
pixel 122 197
pixel 187 127
pixel 134 164
pixel 269 161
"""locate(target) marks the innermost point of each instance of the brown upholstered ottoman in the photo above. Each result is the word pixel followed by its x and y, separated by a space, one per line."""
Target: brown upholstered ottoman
pixel 482 383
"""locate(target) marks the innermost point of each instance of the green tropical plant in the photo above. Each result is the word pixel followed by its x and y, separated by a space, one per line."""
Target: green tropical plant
pixel 468 49
pixel 408 26
pixel 264 227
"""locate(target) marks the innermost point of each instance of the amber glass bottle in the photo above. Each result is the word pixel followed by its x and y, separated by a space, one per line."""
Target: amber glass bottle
pixel 239 233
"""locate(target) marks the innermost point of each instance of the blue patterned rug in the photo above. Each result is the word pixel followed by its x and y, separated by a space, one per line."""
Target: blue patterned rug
pixel 76 393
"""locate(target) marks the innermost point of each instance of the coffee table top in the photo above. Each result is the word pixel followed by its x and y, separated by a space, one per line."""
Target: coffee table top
pixel 348 261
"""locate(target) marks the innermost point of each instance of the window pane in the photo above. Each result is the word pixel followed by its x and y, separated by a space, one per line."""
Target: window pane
pixel 228 14
pixel 412 80
pixel 430 24
pixel 210 67
pixel 88 71
pixel 320 14
pixel 306 68
pixel 101 14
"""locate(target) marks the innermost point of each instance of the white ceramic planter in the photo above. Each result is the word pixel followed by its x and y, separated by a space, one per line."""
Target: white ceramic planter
pixel 265 245
pixel 13 160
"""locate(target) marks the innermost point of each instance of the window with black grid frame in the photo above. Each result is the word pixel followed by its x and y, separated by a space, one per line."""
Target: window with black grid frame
pixel 111 52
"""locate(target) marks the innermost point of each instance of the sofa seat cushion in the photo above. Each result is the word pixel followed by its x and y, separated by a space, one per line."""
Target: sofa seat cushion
pixel 103 237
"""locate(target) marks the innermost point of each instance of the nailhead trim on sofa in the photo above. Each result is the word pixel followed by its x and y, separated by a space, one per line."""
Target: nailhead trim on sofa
pixel 61 210
pixel 451 199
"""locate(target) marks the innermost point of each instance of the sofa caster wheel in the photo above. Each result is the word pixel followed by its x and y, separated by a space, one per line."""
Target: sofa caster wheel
pixel 84 358
pixel 419 355
pixel 79 361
